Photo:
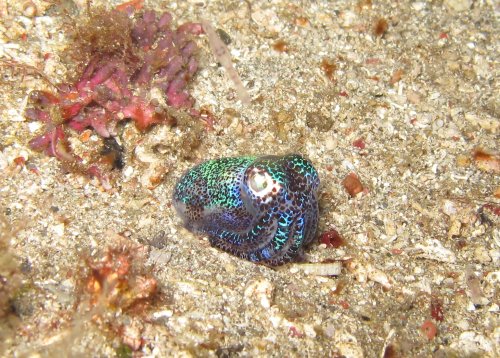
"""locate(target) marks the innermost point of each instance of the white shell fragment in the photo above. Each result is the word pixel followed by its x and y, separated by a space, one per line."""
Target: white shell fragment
pixel 474 290
pixel 319 269
pixel 365 272
pixel 434 250
pixel 260 291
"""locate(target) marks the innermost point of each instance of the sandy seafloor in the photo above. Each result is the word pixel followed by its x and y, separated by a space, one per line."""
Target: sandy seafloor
pixel 422 241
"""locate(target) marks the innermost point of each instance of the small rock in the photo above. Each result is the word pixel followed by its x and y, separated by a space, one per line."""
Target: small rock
pixel 481 255
pixel 474 289
pixel 162 316
pixel 485 123
pixel 449 207
pixel 59 229
pixel 434 250
pixel 280 121
pixel 267 19
pixel 347 345
pixel 378 276
pixel 454 228
pixel 471 343
pixel 352 184
pixel 413 97
pixel 260 291
pixel 319 121
pixel 419 5
pixel 458 5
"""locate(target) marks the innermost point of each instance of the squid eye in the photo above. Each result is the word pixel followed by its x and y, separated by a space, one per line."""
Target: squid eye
pixel 259 181
pixel 262 185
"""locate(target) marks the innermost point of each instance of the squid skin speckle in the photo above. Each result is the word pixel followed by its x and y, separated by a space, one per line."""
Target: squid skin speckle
pixel 262 209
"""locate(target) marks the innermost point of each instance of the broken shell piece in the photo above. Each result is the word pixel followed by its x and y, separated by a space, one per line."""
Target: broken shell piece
pixel 223 56
pixel 369 272
pixel 434 250
pixel 474 291
pixel 153 175
pixel 378 276
pixel 487 162
pixel 449 207
pixel 454 228
pixel 261 291
pixel 320 269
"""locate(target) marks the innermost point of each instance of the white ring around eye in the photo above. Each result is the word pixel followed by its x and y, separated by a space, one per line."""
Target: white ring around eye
pixel 261 184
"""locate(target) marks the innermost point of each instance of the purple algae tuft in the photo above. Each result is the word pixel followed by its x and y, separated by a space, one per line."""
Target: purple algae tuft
pixel 117 82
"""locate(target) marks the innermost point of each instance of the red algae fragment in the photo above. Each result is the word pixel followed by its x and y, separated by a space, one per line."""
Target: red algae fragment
pixel 116 291
pixel 20 161
pixel 359 143
pixel 494 209
pixel 486 162
pixel 329 68
pixel 437 309
pixel 496 193
pixel 281 46
pixel 54 144
pixel 341 284
pixel 301 21
pixel 373 61
pixel 429 329
pixel 352 184
pixel 342 303
pixel 114 282
pixel 332 238
pixel 391 351
pixel 381 26
pixel 133 4
pixel 294 332
pixel 396 76
pixel 208 117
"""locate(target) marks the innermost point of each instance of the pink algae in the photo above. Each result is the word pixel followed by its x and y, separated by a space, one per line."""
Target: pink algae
pixel 116 84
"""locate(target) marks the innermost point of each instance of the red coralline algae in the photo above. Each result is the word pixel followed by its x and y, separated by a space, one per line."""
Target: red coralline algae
pixel 117 85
